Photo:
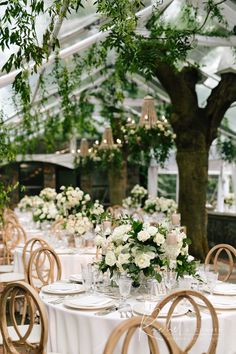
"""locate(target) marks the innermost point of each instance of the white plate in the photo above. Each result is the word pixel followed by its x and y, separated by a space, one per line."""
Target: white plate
pixel 147 308
pixel 224 289
pixel 63 288
pixel 91 303
pixel 220 302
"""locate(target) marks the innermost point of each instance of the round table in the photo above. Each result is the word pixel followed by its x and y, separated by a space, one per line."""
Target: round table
pixel 70 260
pixel 82 332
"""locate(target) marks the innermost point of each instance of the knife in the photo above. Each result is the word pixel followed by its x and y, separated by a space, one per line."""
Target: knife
pixel 106 311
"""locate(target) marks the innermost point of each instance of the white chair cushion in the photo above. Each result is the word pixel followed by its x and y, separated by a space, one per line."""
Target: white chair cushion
pixel 9 277
pixel 34 336
pixel 6 268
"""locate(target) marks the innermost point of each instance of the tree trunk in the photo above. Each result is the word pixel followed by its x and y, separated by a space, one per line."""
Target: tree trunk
pixel 117 184
pixel 86 180
pixel 193 178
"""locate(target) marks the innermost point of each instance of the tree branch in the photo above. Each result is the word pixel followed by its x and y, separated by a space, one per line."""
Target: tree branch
pixel 220 99
pixel 180 86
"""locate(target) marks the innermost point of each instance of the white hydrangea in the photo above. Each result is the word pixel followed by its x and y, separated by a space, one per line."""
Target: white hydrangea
pixel 48 194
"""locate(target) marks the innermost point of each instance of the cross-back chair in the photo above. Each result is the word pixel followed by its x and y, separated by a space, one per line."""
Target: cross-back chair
pixel 13 235
pixel 147 325
pixel 44 267
pixel 214 255
pixel 195 300
pixel 30 246
pixel 28 337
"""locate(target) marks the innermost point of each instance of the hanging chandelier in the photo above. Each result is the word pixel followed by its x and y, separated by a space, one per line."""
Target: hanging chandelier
pixel 148 117
pixel 107 139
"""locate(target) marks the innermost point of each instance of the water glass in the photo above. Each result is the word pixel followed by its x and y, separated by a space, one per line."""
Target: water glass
pixel 125 284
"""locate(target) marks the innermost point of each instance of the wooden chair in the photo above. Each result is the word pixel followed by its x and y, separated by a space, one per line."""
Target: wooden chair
pixel 214 254
pixel 193 298
pixel 147 325
pixel 30 246
pixel 9 215
pixel 28 337
pixel 57 226
pixel 13 234
pixel 44 268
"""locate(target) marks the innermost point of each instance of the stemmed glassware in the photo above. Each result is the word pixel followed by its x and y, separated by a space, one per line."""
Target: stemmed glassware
pixel 211 279
pixel 169 277
pixel 88 278
pixel 125 284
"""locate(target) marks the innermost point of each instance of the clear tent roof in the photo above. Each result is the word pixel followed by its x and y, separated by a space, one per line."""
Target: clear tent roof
pixel 214 55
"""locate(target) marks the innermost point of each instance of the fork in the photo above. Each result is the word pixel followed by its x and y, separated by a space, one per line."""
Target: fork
pixel 56 301
pixel 126 312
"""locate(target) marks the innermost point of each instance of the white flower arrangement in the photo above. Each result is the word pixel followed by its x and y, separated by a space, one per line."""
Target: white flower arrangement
pixel 72 200
pixel 29 203
pixel 137 247
pixel 136 198
pixel 45 211
pixel 48 194
pixel 26 203
pixel 160 205
pixel 77 224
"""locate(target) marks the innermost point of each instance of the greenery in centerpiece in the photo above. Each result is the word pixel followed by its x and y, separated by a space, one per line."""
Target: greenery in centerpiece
pixel 138 248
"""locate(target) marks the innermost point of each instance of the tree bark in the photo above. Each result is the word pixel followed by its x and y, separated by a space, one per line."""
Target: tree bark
pixel 117 184
pixel 193 177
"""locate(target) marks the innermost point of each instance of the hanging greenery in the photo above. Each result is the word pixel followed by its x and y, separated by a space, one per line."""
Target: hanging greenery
pixel 227 149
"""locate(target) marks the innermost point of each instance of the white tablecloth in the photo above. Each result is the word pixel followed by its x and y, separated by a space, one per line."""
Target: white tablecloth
pixel 71 263
pixel 81 332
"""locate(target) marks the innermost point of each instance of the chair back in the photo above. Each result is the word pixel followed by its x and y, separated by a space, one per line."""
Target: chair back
pixel 13 234
pixel 44 267
pixel 30 246
pixel 21 341
pixel 147 325
pixel 214 254
pixel 195 300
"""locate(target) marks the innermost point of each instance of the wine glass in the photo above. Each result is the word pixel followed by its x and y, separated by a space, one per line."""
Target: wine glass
pixel 124 288
pixel 169 277
pixel 211 279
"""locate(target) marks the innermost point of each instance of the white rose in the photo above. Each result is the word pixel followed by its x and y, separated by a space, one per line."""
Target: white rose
pixel 172 264
pixel 123 258
pixel 110 258
pixel 143 235
pixel 142 260
pixel 190 258
pixel 159 239
pixel 152 230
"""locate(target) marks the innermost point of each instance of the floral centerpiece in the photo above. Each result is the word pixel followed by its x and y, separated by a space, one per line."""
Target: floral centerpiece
pixel 48 194
pixel 26 203
pixel 77 224
pixel 46 211
pixel 139 248
pixel 160 205
pixel 71 200
pixel 136 198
